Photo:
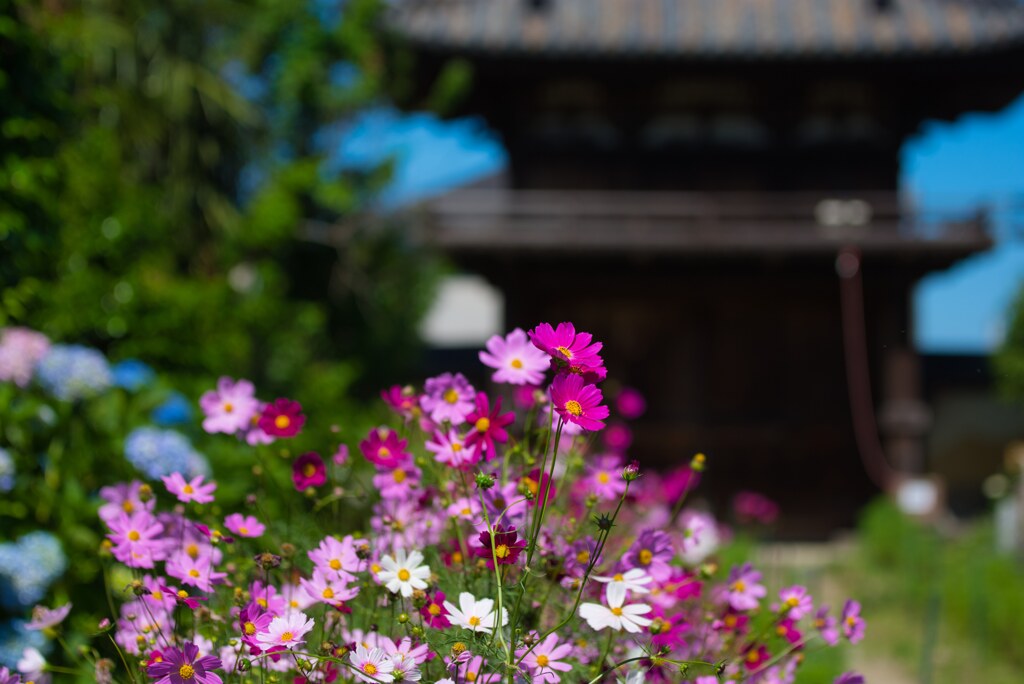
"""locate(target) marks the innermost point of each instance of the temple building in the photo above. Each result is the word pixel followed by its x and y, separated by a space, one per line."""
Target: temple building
pixel 712 188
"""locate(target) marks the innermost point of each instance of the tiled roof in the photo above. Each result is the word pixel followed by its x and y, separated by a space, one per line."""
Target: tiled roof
pixel 711 28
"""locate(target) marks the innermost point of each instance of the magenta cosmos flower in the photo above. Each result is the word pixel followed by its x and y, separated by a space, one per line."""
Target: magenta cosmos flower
pixel 744 588
pixel 651 552
pixel 488 425
pixel 383 448
pixel 630 403
pixel 402 400
pixel 851 622
pixel 231 407
pixel 515 359
pixel 136 538
pixel 190 490
pixel 796 602
pixel 578 403
pixel 507 546
pixel 434 613
pixel 448 397
pixel 571 351
pixel 603 477
pixel 283 418
pixel 451 449
pixel 244 526
pixel 309 470
pixel 182 666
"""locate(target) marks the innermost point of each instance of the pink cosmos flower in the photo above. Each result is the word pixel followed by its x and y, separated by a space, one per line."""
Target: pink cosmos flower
pixel 195 572
pixel 630 403
pixel 743 589
pixel 851 621
pixel 20 351
pixel 755 657
pixel 190 490
pixel 472 669
pixel 44 618
pixel 434 613
pixel 341 455
pixel 283 418
pixel 544 661
pixel 183 665
pixel 328 589
pixel 397 483
pixel 372 664
pixel 402 400
pixel 253 433
pixel 450 449
pixel 252 621
pixel 136 539
pixel 618 437
pixel 267 597
pixel 796 602
pixel 578 403
pixel 786 628
pixel 651 552
pixel 337 557
pixel 571 351
pixel 123 498
pixel 826 626
pixel 287 630
pixel 231 407
pixel 309 470
pixel 603 477
pixel 448 397
pixel 244 526
pixel 488 425
pixel 383 448
pixel 516 360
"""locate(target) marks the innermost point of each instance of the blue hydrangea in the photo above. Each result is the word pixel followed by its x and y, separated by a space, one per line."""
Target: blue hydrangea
pixel 28 567
pixel 132 374
pixel 176 410
pixel 72 372
pixel 7 471
pixel 158 452
pixel 15 637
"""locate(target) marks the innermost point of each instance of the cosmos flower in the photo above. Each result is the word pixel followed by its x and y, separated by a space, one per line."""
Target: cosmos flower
pixel 287 630
pixel 506 546
pixel 578 403
pixel 251 621
pixel 245 526
pixel 136 539
pixel 545 659
pixel 44 618
pixel 327 589
pixel 796 602
pixel 635 580
pixel 851 621
pixel 397 483
pixel 402 400
pixel 516 360
pixel 309 470
pixel 755 656
pixel 338 557
pixel 488 425
pixel 231 407
pixel 652 552
pixel 372 664
pixel 283 418
pixel 616 615
pixel 475 615
pixel 403 574
pixel 182 665
pixel 383 448
pixel 448 398
pixel 449 448
pixel 743 589
pixel 569 350
pixel 630 403
pixel 434 613
pixel 189 490
pixel 826 626
pixel 603 477
pixel 849 678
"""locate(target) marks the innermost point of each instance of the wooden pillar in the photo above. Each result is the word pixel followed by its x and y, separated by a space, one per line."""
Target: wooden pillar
pixel 904 417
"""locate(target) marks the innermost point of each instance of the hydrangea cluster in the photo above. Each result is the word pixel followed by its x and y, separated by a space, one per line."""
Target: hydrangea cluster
pixel 28 567
pixel 7 471
pixel 159 453
pixel 15 638
pixel 73 372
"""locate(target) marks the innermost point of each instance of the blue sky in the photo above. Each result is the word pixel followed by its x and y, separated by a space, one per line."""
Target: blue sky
pixel 977 159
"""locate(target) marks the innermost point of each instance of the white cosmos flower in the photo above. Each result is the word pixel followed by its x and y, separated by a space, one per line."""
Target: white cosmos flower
pixel 401 574
pixel 476 615
pixel 618 584
pixel 615 615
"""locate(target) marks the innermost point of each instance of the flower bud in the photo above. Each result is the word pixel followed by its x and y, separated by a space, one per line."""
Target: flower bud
pixel 698 463
pixel 267 560
pixel 484 481
pixel 145 493
pixel 631 471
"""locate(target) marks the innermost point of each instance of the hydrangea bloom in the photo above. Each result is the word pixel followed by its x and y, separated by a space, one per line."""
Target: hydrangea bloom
pixel 20 351
pixel 28 567
pixel 7 471
pixel 158 453
pixel 515 359
pixel 132 374
pixel 73 372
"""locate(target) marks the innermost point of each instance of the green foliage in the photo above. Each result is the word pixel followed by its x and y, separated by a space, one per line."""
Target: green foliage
pixel 1008 361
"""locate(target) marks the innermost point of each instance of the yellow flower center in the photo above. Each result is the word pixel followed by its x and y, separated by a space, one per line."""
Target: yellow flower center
pixel 781 630
pixel 792 602
pixel 133 535
pixel 542 660
pixel 404 575
pixel 583 556
pixel 532 485
pixel 383 452
pixel 456 447
pixel 187 489
pixel 474 621
pixel 573 407
pixel 565 352
pixel 457 557
pixel 739 586
pixel 851 621
pixel 451 396
pixel 192 550
pixel 309 470
pixel 646 557
pixel 502 551
pixel 193 573
pixel 182 594
pixel 458 647
pixel 249 628
pixel 516 363
pixel 434 609
pixel 483 425
pixel 282 422
pixel 616 611
pixel 262 603
pixel 128 506
pixel 228 407
pixel 243 530
pixel 375 568
pixel 752 657
pixel 471 676
pixel 157 596
pixel 603 477
pixel 466 511
pixel 369 668
pixel 617 577
pixel 730 621
pixel 186 671
pixel 335 564
pixel 287 636
pixel 328 593
pixel 398 474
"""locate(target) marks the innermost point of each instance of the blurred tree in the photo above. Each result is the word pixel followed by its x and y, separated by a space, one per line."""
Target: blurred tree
pixel 181 146
pixel 1009 358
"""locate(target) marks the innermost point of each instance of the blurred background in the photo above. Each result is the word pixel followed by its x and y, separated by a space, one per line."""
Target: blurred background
pixel 796 224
